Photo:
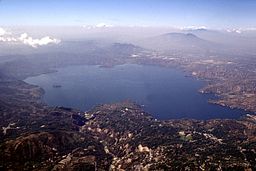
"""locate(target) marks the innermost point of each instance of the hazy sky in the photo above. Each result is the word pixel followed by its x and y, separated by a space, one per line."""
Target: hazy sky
pixel 177 13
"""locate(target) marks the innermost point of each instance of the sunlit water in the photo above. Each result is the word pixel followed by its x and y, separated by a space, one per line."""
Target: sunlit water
pixel 165 93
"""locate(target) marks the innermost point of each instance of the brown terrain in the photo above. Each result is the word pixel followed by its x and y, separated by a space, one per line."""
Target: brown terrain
pixel 122 136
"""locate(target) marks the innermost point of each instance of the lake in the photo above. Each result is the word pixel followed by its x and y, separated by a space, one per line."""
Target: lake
pixel 166 93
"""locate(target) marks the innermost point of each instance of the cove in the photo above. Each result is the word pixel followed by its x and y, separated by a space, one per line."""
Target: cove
pixel 166 93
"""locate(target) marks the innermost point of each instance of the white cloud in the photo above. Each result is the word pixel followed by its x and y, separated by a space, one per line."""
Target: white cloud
pixel 7 39
pixel 238 31
pixel 103 25
pixel 100 25
pixel 193 27
pixel 5 36
pixel 37 42
pixel 3 32
pixel 26 39
pixel 241 30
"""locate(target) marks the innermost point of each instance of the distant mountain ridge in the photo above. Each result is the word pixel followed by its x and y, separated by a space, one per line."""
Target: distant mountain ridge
pixel 177 41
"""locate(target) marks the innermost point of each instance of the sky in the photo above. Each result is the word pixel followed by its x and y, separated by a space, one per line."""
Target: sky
pixel 216 14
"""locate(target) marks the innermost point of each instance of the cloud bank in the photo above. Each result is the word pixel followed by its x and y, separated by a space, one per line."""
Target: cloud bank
pixel 26 39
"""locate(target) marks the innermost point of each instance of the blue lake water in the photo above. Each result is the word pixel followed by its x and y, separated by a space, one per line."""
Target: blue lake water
pixel 164 92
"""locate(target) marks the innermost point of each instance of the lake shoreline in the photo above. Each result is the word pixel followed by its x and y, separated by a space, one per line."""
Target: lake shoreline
pixel 193 78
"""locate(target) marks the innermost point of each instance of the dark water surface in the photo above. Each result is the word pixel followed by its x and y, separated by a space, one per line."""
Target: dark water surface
pixel 165 93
